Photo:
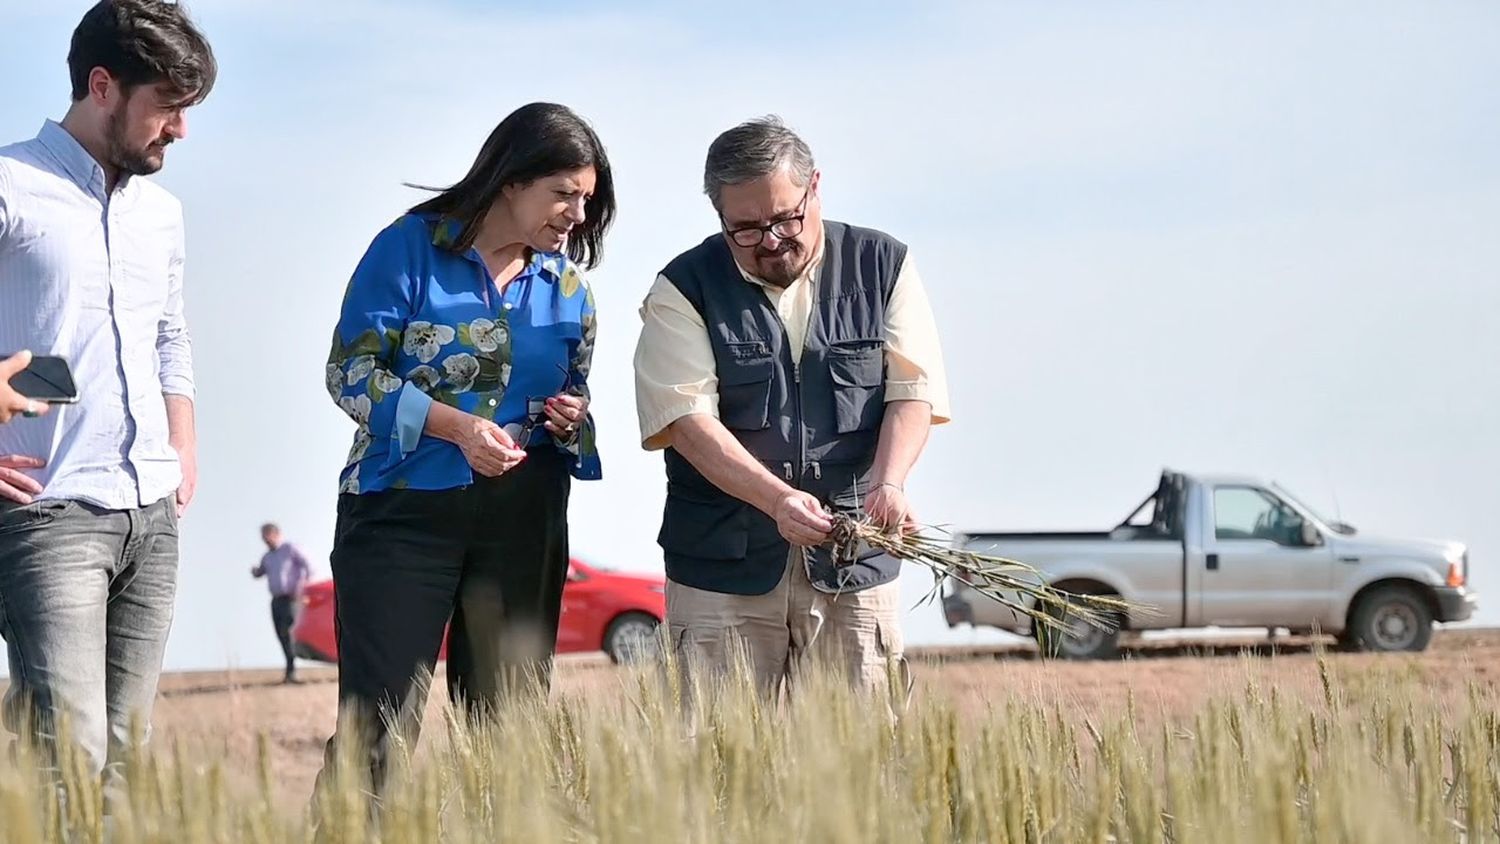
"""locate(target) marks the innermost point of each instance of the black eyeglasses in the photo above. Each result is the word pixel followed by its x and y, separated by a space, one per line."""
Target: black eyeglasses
pixel 536 410
pixel 783 229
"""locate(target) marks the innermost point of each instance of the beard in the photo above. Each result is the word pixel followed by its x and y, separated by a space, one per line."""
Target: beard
pixel 135 161
pixel 782 266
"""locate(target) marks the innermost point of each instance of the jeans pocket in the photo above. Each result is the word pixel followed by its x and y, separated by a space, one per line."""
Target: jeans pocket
pixel 15 518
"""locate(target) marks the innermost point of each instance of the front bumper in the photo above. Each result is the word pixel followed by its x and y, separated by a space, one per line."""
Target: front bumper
pixel 1455 603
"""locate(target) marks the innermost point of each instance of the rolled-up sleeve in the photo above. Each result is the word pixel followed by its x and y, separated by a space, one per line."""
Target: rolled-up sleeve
pixel 675 374
pixel 174 347
pixel 913 355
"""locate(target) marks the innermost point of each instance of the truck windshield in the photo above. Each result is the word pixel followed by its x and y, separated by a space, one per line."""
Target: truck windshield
pixel 1301 505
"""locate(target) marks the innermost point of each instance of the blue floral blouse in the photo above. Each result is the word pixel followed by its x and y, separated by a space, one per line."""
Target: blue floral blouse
pixel 422 324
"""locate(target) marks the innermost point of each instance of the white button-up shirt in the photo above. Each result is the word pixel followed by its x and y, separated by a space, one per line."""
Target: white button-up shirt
pixel 94 278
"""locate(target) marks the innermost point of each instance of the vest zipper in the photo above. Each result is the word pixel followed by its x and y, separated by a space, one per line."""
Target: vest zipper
pixel 796 361
pixel 801 428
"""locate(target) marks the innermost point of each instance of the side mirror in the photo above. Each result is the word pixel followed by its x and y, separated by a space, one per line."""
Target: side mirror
pixel 1310 536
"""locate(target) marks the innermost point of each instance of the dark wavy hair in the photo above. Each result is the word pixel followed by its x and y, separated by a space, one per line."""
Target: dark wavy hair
pixel 532 142
pixel 142 42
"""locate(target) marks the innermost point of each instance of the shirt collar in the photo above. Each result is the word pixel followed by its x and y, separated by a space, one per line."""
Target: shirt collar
pixel 445 231
pixel 80 166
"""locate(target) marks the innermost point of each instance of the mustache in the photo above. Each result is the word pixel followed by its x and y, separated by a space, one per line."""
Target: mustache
pixel 787 247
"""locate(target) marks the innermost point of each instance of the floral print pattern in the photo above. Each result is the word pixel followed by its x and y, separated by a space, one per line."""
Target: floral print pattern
pixel 403 340
pixel 461 370
pixel 424 378
pixel 486 335
pixel 424 340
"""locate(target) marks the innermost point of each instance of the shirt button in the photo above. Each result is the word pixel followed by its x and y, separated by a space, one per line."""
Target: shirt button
pixel 508 306
pixel 492 402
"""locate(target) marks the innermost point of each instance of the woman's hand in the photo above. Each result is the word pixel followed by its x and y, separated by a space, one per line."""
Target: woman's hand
pixel 565 415
pixel 488 449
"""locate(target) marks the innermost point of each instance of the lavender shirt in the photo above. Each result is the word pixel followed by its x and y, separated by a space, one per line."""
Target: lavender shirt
pixel 285 570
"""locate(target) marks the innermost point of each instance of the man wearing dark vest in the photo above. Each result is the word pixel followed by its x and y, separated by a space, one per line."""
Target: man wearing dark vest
pixel 789 368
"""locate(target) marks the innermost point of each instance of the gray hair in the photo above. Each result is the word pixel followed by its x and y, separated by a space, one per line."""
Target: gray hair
pixel 754 149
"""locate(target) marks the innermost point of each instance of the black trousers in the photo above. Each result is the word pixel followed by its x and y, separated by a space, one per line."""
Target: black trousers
pixel 493 557
pixel 283 616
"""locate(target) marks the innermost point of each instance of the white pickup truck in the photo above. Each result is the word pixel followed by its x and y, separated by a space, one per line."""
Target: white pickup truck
pixel 1232 552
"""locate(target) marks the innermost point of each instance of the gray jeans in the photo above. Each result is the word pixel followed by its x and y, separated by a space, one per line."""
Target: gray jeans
pixel 85 605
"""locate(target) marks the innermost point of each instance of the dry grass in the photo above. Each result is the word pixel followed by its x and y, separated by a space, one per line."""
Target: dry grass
pixel 1012 583
pixel 1288 748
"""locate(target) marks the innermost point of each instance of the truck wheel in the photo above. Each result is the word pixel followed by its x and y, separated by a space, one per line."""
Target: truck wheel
pixel 631 638
pixel 1081 641
pixel 1392 618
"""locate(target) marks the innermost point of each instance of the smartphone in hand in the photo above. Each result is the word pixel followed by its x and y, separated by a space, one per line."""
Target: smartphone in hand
pixel 46 379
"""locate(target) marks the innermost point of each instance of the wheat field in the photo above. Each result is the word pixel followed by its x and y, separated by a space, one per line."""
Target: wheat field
pixel 1329 750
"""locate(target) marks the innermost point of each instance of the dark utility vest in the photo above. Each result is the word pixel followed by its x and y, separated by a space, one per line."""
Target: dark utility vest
pixel 815 427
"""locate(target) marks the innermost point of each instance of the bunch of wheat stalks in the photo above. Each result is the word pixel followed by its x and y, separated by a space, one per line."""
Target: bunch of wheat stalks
pixel 1016 585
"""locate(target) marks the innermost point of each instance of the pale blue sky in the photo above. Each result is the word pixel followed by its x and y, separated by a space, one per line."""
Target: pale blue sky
pixel 1221 237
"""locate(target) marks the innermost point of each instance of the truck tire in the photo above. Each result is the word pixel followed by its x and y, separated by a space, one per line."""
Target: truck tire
pixel 1082 641
pixel 1391 618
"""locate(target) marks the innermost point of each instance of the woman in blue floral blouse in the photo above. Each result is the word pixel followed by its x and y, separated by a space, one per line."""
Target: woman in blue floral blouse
pixel 462 352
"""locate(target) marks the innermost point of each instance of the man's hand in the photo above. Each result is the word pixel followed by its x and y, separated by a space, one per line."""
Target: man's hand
pixel 887 507
pixel 13 403
pixel 14 485
pixel 182 435
pixel 187 456
pixel 565 415
pixel 802 519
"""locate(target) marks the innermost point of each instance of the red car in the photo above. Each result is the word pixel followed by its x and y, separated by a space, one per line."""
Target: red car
pixel 610 611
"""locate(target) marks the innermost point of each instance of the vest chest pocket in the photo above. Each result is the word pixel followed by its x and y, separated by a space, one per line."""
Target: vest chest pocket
pixel 745 387
pixel 858 373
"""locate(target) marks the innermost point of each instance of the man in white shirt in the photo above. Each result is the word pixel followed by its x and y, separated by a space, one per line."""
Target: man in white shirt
pixel 91 263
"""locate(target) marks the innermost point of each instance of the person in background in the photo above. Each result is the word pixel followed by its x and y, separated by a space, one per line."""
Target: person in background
pixel 91 270
pixel 286 573
pixel 462 353
pixel 12 403
pixel 789 367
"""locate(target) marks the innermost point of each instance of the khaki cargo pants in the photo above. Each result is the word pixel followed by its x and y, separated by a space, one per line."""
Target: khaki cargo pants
pixel 782 629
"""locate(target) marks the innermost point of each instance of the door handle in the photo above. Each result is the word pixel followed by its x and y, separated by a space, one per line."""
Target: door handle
pixel 1213 562
pixel 1348 559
